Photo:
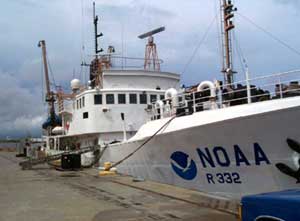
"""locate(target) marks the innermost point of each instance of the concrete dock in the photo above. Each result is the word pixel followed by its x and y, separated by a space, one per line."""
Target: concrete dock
pixel 46 194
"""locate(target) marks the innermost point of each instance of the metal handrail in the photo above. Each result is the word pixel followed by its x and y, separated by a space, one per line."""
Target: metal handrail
pixel 121 62
pixel 277 89
pixel 265 77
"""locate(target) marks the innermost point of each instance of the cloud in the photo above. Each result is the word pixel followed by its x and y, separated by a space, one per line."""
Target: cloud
pixel 289 2
pixel 67 24
pixel 28 123
pixel 21 108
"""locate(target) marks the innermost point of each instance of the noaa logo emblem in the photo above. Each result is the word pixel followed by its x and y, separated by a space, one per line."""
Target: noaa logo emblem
pixel 183 165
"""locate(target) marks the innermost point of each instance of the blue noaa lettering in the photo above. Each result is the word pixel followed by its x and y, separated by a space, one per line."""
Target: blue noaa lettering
pixel 183 165
pixel 260 155
pixel 224 160
pixel 205 157
pixel 218 156
pixel 240 156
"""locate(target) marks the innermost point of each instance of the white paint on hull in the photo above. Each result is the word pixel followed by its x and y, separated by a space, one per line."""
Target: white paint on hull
pixel 267 123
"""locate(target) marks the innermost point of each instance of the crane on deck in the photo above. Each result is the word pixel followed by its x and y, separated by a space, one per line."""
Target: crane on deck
pixel 53 120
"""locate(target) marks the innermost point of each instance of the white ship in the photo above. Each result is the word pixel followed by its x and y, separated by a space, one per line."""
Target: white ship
pixel 229 138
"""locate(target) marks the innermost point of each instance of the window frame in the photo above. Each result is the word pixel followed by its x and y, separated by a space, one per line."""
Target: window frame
pixel 135 98
pixel 122 96
pixel 85 115
pixel 113 96
pixel 101 99
pixel 144 102
pixel 151 96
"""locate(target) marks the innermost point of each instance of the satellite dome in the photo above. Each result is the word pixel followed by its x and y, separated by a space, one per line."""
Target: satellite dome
pixel 75 84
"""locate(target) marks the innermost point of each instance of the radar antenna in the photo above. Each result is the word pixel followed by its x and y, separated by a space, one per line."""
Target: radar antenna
pixel 227 13
pixel 96 71
pixel 151 56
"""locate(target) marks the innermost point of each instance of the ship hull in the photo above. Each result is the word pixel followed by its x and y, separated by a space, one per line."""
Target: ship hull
pixel 232 157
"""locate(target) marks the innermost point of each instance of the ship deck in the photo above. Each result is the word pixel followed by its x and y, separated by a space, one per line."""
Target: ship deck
pixel 46 194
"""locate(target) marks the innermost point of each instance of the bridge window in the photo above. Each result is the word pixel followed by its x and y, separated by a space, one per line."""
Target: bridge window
pixel 83 101
pixel 51 143
pixel 122 98
pixel 110 99
pixel 80 103
pixel 153 98
pixel 132 99
pixel 143 98
pixel 77 102
pixel 162 97
pixel 98 99
pixel 85 115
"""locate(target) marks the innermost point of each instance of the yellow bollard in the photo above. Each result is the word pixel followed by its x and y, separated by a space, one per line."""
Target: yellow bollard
pixel 107 166
pixel 107 170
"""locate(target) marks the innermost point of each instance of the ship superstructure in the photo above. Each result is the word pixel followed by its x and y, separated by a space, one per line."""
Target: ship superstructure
pixel 223 137
pixel 114 104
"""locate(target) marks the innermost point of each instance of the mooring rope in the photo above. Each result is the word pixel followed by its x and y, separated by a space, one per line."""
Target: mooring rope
pixel 143 144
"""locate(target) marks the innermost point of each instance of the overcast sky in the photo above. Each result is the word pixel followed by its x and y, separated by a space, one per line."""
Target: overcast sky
pixel 66 25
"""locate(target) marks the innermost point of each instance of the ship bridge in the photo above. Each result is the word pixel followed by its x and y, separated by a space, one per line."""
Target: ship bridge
pixel 124 93
pixel 140 79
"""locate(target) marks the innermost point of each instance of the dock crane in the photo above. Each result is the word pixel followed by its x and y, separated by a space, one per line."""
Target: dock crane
pixel 53 119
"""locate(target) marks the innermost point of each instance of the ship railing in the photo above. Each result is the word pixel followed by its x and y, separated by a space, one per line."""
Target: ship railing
pixel 258 89
pixel 273 86
pixel 278 84
pixel 115 62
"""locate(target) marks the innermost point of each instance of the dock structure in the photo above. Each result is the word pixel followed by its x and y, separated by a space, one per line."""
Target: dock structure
pixel 47 194
pixel 27 164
